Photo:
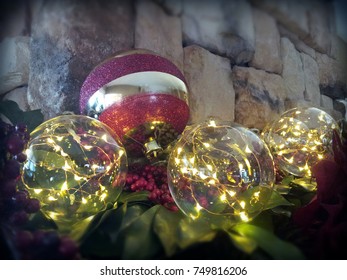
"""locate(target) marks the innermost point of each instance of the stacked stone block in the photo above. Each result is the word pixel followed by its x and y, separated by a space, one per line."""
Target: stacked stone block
pixel 245 61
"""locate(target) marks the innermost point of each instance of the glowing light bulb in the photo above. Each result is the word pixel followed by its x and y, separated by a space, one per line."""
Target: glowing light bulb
pixel 232 173
pixel 76 176
pixel 300 138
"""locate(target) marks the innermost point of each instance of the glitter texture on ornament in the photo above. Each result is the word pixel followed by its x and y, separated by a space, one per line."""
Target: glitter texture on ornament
pixel 142 96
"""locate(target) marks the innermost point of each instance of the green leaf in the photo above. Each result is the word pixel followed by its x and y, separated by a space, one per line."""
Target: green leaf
pixel 165 227
pixel 11 110
pixel 276 200
pixel 264 220
pixel 40 221
pixel 82 229
pixel 270 243
pixel 282 188
pixel 32 119
pixel 282 211
pixel 125 232
pixel 306 183
pixel 177 232
pixel 194 231
pixel 287 180
pixel 127 197
pixel 243 243
pixel 98 241
pixel 132 213
pixel 252 205
pixel 140 242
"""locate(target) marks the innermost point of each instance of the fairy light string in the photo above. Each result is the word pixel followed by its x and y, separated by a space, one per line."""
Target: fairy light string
pixel 75 167
pixel 300 138
pixel 212 172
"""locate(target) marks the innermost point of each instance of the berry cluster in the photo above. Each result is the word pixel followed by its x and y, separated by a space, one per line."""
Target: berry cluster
pixel 16 205
pixel 152 179
pixel 45 245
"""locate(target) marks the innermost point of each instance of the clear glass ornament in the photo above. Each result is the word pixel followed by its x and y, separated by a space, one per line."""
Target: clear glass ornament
pixel 75 166
pixel 300 138
pixel 219 168
pixel 142 96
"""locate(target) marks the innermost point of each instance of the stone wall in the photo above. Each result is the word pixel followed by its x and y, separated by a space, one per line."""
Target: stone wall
pixel 245 61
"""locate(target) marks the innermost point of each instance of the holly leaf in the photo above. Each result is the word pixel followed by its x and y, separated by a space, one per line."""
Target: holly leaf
pixel 11 110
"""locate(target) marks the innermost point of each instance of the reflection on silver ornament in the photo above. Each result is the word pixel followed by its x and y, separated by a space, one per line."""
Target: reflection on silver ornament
pixel 142 96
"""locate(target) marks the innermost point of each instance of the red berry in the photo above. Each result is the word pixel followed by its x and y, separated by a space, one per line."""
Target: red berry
pixel 19 218
pixel 150 187
pixel 21 127
pixel 12 169
pixel 38 236
pixel 24 239
pixel 133 187
pixel 129 180
pixel 15 144
pixel 154 180
pixel 152 196
pixel 20 199
pixel 32 206
pixel 67 248
pixel 8 188
pixel 21 157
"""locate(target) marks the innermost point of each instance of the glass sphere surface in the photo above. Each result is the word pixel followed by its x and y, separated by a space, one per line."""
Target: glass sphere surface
pixel 219 168
pixel 75 166
pixel 300 138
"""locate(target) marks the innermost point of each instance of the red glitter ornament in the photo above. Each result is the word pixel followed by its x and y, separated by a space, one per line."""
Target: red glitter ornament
pixel 143 110
pixel 141 96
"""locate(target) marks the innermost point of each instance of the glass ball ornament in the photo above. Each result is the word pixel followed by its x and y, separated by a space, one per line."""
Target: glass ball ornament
pixel 75 166
pixel 300 138
pixel 220 169
pixel 142 96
